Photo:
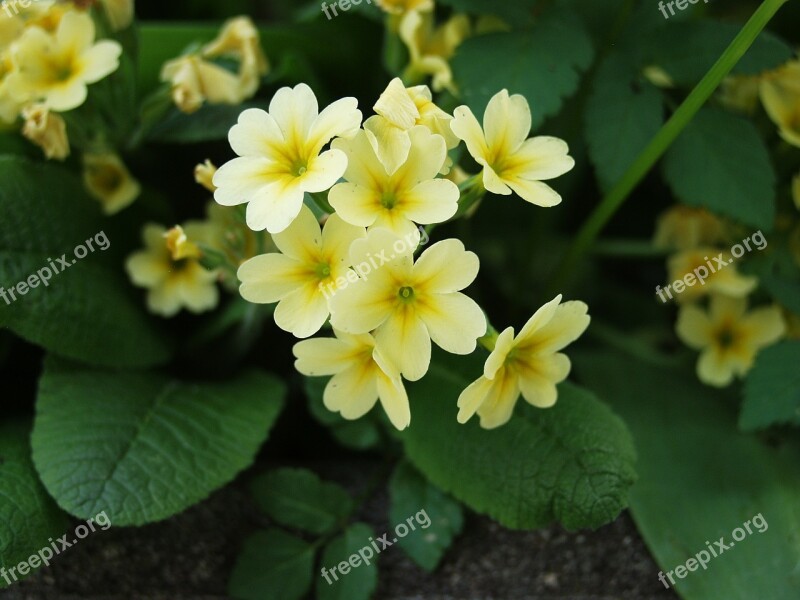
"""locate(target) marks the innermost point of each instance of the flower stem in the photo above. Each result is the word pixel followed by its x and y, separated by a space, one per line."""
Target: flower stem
pixel 617 196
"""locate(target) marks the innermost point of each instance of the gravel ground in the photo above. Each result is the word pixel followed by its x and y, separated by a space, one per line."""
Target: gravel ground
pixel 190 556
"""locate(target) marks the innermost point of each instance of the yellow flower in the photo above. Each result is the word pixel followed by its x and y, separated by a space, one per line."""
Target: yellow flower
pixel 529 363
pixel 400 7
pixel 430 49
pixel 373 197
pixel 240 39
pixel 510 161
pixel 780 95
pixel 169 268
pixel 108 180
pixel 298 279
pixel 195 81
pixel 740 93
pixel 658 77
pixel 361 376
pixel 47 130
pixel 279 156
pixel 56 68
pixel 685 228
pixel 119 13
pixel 398 110
pixel 204 175
pixel 719 272
pixel 728 336
pixel 409 304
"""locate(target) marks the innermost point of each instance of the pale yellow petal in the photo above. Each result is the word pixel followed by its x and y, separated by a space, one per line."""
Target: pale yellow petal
pixel 493 182
pixel 394 399
pixel 100 60
pixel 256 134
pixel 353 392
pixel 567 324
pixel 507 123
pixel 432 201
pixel 357 204
pixel 467 128
pixel 303 312
pixel 454 321
pixel 146 269
pixel 765 326
pixel 693 327
pixel 538 379
pixel 499 404
pixel 270 277
pixel 294 110
pixel 240 179
pixel 540 158
pixel 404 340
pixel 361 307
pixel 363 166
pixel 535 192
pixel 397 106
pixel 497 358
pixel 302 240
pixel 323 171
pixel 342 118
pixel 713 369
pixel 322 356
pixel 538 320
pixel 446 267
pixel 274 207
pixel 390 144
pixel 337 237
pixel 425 158
pixel 471 399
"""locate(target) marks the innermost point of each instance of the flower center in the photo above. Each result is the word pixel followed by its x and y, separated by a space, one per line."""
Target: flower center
pixel 406 293
pixel 388 200
pixel 726 337
pixel 323 271
pixel 299 168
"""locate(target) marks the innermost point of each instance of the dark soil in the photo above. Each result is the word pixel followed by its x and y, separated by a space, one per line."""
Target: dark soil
pixel 190 557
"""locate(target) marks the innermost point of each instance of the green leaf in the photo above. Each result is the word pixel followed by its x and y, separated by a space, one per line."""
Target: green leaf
pixel 361 434
pixel 516 13
pixel 210 123
pixel 28 516
pixel 87 311
pixel 142 446
pixel 298 498
pixel 700 478
pixel 410 493
pixel 772 389
pixel 543 65
pixel 273 565
pixel 720 162
pixel 572 463
pixel 701 43
pixel 778 274
pixel 623 113
pixel 359 581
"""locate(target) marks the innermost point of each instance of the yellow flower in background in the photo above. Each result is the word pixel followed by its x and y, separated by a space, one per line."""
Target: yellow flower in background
pixel 409 304
pixel 400 7
pixel 118 12
pixel 658 77
pixel 310 263
pixel 108 181
pixel 796 190
pixel 684 228
pixel 399 109
pixel 56 68
pixel 204 175
pixel 512 162
pixel 530 363
pixel 372 197
pixel 430 48
pixel 279 156
pixel 739 93
pixel 47 130
pixel 728 336
pixel 361 376
pixel 195 81
pixel 240 39
pixel 780 95
pixel 169 268
pixel 722 279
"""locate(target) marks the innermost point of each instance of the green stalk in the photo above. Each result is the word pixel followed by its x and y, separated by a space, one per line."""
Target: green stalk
pixel 617 196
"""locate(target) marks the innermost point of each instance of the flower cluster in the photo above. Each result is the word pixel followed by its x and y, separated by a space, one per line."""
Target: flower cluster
pixel 343 201
pixel 726 334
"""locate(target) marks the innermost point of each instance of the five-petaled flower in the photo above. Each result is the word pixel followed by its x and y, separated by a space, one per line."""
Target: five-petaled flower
pixel 279 156
pixel 530 363
pixel 511 161
pixel 728 336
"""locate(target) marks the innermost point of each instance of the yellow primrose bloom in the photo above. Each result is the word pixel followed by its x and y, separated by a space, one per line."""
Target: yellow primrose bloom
pixel 511 162
pixel 47 130
pixel 685 228
pixel 780 95
pixel 169 268
pixel 118 12
pixel 108 180
pixel 431 48
pixel 719 274
pixel 740 93
pixel 400 7
pixel 398 110
pixel 728 336
pixel 195 81
pixel 279 156
pixel 372 197
pixel 298 279
pixel 240 38
pixel 409 304
pixel 361 376
pixel 204 175
pixel 56 68
pixel 530 363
